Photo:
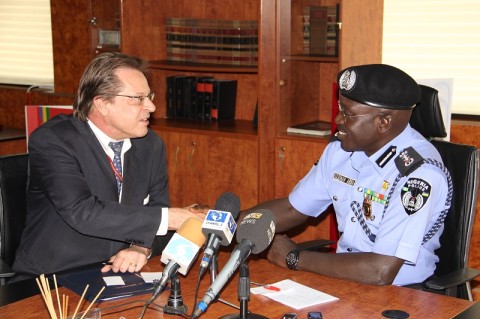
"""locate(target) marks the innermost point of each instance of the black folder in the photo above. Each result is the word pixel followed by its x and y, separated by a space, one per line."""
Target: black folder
pixel 78 280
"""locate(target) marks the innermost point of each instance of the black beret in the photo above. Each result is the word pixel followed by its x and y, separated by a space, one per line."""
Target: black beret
pixel 379 85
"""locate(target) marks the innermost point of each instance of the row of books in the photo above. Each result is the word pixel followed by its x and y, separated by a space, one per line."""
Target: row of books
pixel 320 30
pixel 226 42
pixel 200 98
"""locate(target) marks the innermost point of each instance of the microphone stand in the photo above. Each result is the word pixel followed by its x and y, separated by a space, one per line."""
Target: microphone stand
pixel 175 304
pixel 244 296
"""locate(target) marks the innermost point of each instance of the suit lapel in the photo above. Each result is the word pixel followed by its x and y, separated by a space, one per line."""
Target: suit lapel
pixel 131 175
pixel 97 150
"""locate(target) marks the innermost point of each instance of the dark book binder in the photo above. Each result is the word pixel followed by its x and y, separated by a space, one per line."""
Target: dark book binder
pixel 189 97
pixel 78 280
pixel 179 96
pixel 224 96
pixel 200 110
pixel 170 96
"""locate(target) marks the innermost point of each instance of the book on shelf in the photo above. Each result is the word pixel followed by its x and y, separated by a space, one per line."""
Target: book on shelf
pixel 200 98
pixel 320 30
pixel 212 41
pixel 318 128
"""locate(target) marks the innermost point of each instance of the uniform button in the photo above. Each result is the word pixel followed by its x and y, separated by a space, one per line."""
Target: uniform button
pixel 353 220
pixel 335 198
pixel 349 249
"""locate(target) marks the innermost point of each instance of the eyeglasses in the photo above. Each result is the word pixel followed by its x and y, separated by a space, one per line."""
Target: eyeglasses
pixel 138 99
pixel 345 116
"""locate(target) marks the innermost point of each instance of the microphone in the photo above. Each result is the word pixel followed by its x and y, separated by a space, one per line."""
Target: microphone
pixel 254 234
pixel 180 252
pixel 219 225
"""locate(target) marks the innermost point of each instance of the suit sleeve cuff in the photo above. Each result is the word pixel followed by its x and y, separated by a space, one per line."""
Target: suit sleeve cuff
pixel 162 230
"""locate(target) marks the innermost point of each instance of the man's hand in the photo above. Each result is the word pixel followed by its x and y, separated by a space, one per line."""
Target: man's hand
pixel 279 249
pixel 131 259
pixel 177 216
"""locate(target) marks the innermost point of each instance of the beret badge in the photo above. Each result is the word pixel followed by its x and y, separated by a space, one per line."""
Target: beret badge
pixel 347 80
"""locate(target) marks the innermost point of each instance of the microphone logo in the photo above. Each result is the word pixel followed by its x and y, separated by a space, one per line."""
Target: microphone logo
pixel 220 222
pixel 216 216
pixel 183 249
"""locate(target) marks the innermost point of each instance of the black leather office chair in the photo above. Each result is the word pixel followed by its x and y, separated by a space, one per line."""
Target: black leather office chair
pixel 13 209
pixel 452 275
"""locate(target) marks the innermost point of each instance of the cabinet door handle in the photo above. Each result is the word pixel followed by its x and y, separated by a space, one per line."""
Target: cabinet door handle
pixel 282 82
pixel 281 156
pixel 192 152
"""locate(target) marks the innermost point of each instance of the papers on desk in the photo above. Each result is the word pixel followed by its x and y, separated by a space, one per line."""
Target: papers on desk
pixel 293 294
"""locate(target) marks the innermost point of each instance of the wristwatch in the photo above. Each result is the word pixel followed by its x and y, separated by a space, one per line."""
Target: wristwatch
pixel 292 259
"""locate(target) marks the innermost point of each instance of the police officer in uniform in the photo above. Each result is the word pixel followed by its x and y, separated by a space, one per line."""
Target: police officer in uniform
pixel 386 182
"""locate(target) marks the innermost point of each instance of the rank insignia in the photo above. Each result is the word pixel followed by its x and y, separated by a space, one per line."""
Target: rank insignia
pixel 415 194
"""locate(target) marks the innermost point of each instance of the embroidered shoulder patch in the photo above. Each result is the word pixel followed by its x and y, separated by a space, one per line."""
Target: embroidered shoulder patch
pixel 415 194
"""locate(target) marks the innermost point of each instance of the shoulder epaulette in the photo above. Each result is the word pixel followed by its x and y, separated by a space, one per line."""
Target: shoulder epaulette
pixel 408 160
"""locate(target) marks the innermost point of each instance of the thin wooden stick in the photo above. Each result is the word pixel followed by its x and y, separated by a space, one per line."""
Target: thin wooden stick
pixel 93 301
pixel 58 296
pixel 80 301
pixel 45 290
pixel 41 290
pixel 66 308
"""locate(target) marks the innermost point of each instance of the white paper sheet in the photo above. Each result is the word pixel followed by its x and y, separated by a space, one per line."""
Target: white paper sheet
pixel 293 294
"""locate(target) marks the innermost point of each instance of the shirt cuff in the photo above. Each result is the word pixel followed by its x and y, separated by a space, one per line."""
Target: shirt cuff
pixel 162 230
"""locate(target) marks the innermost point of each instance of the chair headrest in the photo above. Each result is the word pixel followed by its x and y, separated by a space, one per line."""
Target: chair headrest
pixel 427 115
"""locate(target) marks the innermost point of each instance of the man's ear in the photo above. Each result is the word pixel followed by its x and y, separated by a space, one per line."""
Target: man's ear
pixel 101 105
pixel 386 122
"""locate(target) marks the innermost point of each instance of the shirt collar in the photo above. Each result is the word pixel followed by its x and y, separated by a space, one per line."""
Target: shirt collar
pixel 104 139
pixel 403 140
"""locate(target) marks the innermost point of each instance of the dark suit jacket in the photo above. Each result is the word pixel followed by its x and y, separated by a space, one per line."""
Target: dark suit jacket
pixel 74 217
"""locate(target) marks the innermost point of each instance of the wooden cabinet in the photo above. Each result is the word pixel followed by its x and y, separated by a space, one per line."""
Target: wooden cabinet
pixel 203 164
pixel 294 87
pixel 294 158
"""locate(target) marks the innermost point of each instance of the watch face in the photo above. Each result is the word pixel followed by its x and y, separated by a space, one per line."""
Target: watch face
pixel 292 260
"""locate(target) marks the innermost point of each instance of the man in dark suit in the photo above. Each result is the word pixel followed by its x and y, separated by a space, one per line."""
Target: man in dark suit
pixel 89 200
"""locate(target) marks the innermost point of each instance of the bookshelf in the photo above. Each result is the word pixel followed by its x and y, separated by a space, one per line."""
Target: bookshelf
pixel 290 87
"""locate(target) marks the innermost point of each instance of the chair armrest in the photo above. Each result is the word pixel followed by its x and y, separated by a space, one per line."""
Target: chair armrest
pixel 5 270
pixel 453 279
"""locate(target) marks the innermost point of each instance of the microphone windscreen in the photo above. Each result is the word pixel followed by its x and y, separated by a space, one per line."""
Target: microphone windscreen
pixel 191 229
pixel 228 202
pixel 259 228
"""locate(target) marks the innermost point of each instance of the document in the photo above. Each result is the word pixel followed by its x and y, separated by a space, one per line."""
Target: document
pixel 293 294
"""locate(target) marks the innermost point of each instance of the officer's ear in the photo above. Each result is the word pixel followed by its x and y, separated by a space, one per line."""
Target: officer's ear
pixel 385 122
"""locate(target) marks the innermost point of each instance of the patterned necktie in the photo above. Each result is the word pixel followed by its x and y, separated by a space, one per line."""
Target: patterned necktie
pixel 117 162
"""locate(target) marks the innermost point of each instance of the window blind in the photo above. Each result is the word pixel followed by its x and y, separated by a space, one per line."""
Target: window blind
pixel 437 39
pixel 26 55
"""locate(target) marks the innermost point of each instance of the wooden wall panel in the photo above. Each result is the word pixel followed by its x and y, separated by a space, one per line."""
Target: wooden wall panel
pixel 71 42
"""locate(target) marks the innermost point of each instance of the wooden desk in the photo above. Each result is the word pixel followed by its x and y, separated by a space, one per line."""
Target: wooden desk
pixel 355 300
